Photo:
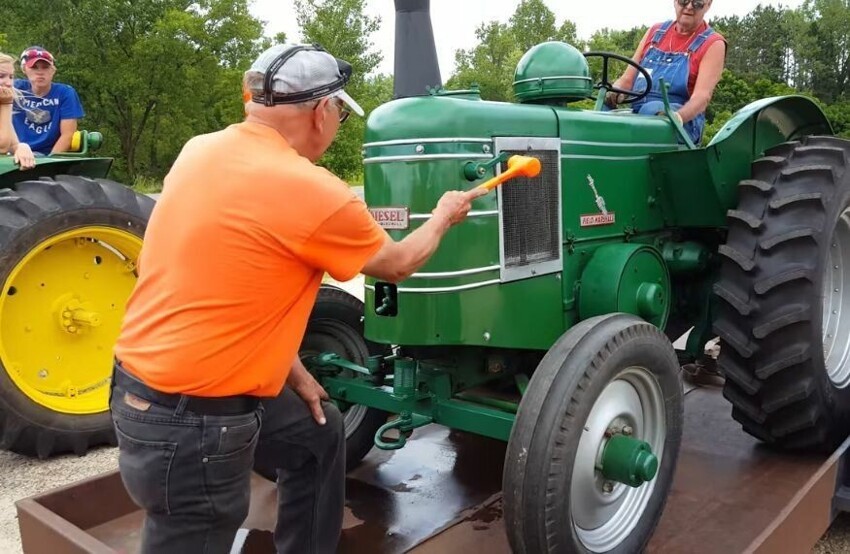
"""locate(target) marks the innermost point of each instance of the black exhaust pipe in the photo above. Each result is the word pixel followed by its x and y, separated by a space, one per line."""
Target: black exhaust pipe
pixel 416 66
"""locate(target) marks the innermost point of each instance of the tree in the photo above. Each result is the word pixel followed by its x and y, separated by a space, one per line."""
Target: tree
pixel 492 62
pixel 342 28
pixel 150 73
pixel 490 65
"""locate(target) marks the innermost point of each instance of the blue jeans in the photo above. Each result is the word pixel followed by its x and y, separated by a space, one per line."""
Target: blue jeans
pixel 191 473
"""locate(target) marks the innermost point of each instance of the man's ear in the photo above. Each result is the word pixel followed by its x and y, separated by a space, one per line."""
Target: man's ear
pixel 320 114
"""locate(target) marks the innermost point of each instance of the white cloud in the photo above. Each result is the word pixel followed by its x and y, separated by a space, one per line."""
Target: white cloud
pixel 454 21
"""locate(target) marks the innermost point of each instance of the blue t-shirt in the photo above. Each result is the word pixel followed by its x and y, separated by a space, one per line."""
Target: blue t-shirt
pixel 37 119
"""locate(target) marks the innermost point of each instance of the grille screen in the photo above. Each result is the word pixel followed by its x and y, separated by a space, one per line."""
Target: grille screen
pixel 530 217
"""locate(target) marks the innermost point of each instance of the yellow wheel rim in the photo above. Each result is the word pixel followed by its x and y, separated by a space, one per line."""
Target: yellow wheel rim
pixel 60 313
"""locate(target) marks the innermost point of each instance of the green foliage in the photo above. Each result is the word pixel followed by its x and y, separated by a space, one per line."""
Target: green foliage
pixel 151 73
pixel 342 28
pixel 147 185
pixel 491 63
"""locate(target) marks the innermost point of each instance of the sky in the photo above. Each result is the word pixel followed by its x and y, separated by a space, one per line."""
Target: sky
pixel 454 21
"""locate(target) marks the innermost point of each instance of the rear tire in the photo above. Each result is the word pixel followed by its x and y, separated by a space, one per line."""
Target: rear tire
pixel 50 401
pixel 785 270
pixel 336 325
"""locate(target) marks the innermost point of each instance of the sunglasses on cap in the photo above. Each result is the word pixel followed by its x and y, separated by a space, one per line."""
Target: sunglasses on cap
pixel 697 4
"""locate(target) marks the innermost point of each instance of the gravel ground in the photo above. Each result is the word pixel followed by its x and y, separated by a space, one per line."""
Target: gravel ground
pixel 23 477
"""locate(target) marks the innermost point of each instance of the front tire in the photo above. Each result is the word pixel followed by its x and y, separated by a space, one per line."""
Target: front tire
pixel 784 290
pixel 608 372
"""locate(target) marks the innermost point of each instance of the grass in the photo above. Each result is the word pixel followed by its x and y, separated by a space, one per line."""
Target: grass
pixel 147 185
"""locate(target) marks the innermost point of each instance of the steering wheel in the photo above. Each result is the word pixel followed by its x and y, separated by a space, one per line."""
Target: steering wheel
pixel 631 95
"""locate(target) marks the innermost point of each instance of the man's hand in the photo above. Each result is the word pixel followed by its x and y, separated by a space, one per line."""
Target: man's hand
pixel 310 391
pixel 24 156
pixel 454 205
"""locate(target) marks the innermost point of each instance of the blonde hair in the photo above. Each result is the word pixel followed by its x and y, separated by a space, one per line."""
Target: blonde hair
pixel 6 58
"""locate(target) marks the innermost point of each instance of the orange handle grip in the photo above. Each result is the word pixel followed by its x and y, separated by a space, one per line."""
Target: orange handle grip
pixel 518 166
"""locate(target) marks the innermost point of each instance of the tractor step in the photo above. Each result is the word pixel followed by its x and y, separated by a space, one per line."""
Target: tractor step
pixel 440 494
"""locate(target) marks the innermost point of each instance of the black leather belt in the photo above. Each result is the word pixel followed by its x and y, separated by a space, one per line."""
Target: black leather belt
pixel 201 405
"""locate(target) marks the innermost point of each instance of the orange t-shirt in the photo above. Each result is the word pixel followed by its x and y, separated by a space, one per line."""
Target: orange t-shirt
pixel 233 258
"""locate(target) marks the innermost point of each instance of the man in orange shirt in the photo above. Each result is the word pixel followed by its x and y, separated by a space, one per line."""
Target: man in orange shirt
pixel 207 382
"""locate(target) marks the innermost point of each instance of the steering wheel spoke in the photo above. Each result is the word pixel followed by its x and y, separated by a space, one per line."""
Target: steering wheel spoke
pixel 631 96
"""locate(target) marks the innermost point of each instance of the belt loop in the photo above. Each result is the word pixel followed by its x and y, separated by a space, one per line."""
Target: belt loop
pixel 181 405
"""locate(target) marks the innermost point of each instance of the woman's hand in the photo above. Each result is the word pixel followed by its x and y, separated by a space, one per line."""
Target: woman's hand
pixel 24 156
pixel 7 96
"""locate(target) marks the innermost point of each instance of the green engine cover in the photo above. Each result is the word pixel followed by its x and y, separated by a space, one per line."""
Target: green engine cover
pixel 552 71
pixel 630 278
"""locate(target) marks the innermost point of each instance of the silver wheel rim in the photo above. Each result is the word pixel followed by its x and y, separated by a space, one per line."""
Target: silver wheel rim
pixel 836 313
pixel 602 520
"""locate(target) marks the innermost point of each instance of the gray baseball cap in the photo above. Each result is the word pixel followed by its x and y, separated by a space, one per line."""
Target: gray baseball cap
pixel 299 73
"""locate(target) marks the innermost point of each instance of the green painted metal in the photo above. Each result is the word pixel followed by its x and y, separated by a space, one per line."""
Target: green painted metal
pixel 404 424
pixel 642 215
pixel 521 382
pixel 697 187
pixel 552 71
pixel 628 460
pixel 686 257
pixel 50 166
pixel 668 110
pixel 629 278
pixel 497 403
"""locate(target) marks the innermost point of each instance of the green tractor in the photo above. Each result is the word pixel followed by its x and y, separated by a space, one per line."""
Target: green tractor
pixel 69 239
pixel 546 318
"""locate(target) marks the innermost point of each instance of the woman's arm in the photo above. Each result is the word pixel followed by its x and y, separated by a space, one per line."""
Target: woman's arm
pixel 710 71
pixel 7 131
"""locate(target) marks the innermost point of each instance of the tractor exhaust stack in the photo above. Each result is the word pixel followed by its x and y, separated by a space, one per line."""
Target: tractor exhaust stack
pixel 416 66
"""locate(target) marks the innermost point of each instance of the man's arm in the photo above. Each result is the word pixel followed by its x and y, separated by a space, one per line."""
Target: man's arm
pixel 396 261
pixel 710 72
pixel 67 128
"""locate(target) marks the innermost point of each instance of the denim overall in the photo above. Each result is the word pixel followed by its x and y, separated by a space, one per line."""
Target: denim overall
pixel 674 68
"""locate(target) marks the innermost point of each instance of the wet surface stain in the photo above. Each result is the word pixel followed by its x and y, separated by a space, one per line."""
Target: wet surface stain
pixel 405 496
pixel 397 500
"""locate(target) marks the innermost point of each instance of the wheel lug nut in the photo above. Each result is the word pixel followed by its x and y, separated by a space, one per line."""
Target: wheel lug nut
pixel 627 430
pixel 607 486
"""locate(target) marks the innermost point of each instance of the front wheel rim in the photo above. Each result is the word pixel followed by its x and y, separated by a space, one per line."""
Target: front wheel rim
pixel 604 512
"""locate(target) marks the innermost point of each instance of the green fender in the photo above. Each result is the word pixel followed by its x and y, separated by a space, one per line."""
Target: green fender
pixel 771 121
pixel 698 186
pixel 50 166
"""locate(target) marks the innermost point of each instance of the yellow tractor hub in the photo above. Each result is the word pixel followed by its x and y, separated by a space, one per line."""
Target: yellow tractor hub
pixel 60 313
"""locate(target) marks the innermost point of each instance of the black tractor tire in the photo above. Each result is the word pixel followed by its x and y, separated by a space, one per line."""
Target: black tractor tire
pixel 336 325
pixel 544 457
pixel 31 213
pixel 772 293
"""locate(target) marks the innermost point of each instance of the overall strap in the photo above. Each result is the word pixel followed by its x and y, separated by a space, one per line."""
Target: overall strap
pixel 700 40
pixel 660 32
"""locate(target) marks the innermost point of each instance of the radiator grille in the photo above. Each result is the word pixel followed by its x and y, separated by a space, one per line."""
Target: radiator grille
pixel 531 213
